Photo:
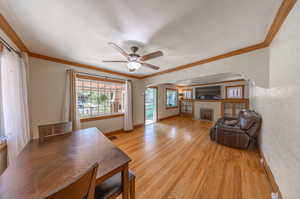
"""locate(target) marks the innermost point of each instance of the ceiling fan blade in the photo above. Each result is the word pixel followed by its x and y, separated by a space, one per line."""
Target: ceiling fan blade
pixel 150 66
pixel 112 61
pixel 118 48
pixel 151 55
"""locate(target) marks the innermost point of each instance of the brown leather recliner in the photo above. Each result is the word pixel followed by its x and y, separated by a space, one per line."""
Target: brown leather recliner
pixel 238 132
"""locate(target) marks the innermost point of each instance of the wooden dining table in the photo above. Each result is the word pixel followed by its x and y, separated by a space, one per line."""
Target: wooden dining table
pixel 45 167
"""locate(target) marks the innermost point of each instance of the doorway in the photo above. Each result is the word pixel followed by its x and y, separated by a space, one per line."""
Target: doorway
pixel 150 105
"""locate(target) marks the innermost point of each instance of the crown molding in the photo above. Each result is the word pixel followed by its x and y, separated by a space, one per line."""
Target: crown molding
pixel 89 77
pixel 9 31
pixel 282 13
pixel 86 66
pixel 211 59
pixel 212 83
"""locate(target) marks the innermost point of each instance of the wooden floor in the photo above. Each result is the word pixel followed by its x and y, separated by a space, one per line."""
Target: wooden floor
pixel 175 159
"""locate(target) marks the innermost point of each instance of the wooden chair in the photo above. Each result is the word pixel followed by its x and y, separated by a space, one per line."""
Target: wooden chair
pixel 112 187
pixel 54 129
pixel 81 188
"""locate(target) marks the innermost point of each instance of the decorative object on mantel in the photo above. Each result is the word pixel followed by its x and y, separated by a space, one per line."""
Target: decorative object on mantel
pixel 241 135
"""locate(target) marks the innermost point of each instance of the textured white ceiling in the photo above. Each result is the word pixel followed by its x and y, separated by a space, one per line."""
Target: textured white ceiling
pixel 185 30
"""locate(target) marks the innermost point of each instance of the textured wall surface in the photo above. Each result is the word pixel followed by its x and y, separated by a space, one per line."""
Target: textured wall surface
pixel 162 111
pixel 279 106
pixel 253 65
pixel 46 91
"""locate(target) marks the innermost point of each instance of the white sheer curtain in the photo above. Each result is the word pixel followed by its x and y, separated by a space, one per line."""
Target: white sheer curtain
pixel 14 100
pixel 67 97
pixel 70 112
pixel 128 120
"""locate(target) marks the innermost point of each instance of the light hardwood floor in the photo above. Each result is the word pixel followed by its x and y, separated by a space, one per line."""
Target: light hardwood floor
pixel 175 159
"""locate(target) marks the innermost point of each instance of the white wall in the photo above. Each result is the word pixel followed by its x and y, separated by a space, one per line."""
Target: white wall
pixel 46 91
pixel 279 106
pixel 253 65
pixel 162 111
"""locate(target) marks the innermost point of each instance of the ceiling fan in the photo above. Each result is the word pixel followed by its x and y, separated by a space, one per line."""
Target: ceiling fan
pixel 135 61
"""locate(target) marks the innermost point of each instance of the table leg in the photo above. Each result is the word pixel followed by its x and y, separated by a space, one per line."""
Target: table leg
pixel 125 182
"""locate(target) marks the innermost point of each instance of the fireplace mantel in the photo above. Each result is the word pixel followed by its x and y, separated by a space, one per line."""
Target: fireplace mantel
pixel 216 105
pixel 223 100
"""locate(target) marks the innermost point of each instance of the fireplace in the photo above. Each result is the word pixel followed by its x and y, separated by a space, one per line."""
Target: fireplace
pixel 207 114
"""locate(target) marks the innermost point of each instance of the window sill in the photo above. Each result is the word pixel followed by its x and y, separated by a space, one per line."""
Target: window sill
pixel 103 117
pixel 172 107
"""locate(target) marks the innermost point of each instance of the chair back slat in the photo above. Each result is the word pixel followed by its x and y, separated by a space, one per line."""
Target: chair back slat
pixel 54 129
pixel 81 188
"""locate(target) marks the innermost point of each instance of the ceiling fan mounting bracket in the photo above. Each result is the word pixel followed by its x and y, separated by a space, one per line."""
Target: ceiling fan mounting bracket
pixel 134 49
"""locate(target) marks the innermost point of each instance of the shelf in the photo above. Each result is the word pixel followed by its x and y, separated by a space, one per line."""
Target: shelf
pixel 232 107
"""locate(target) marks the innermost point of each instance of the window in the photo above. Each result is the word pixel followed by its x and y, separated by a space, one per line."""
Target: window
pixel 97 97
pixel 235 91
pixel 187 93
pixel 172 98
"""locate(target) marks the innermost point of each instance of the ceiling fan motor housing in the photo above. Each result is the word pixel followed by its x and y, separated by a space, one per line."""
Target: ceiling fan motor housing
pixel 134 49
pixel 134 60
pixel 133 57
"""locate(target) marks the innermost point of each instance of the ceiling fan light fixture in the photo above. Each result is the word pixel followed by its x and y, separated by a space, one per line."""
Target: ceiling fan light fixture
pixel 135 61
pixel 133 65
